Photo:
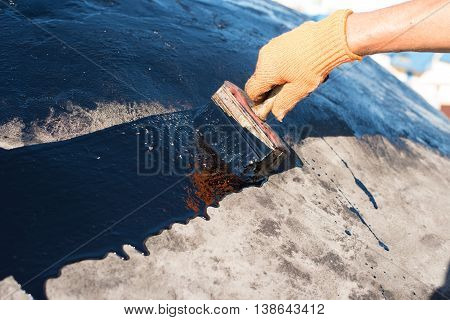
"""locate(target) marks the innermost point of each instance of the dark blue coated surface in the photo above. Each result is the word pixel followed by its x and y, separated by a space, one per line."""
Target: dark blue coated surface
pixel 85 197
pixel 178 53
pixel 59 196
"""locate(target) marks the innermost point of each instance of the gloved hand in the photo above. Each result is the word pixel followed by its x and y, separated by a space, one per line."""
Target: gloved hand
pixel 298 60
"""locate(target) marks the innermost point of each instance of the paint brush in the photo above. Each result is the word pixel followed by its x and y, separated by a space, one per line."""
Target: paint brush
pixel 248 140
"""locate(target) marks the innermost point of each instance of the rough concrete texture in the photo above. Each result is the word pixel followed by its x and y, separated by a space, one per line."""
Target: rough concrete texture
pixel 287 239
pixel 10 289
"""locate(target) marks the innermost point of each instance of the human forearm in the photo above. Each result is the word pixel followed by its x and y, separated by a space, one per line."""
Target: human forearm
pixel 418 25
pixel 293 64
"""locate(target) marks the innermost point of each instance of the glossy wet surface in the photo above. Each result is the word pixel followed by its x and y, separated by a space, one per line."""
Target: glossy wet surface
pixel 64 202
pixel 85 197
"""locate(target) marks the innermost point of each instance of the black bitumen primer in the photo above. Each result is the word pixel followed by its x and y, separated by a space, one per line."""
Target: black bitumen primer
pixel 83 198
pixel 78 199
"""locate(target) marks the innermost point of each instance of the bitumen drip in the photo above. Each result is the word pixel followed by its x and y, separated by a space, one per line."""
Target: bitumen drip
pixel 366 191
pixel 352 208
pixel 358 182
pixel 84 198
pixel 360 217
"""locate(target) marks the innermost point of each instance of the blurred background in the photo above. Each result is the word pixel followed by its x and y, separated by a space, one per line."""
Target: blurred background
pixel 427 73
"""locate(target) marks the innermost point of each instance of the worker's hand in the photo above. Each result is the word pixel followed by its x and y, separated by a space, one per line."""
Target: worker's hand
pixel 298 60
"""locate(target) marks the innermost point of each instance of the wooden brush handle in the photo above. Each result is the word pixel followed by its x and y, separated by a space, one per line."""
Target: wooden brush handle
pixel 263 109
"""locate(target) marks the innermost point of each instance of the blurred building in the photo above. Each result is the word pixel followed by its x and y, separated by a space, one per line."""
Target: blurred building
pixel 427 73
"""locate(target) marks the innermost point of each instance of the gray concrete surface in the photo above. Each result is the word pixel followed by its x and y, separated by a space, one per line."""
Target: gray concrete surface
pixel 287 240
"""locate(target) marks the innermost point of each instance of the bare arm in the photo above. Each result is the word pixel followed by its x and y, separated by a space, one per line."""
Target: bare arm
pixel 418 25
pixel 293 64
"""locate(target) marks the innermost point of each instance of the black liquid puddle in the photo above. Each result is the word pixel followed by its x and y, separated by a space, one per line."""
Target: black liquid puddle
pixel 83 198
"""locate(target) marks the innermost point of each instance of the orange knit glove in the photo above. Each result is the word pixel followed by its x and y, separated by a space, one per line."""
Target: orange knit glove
pixel 299 60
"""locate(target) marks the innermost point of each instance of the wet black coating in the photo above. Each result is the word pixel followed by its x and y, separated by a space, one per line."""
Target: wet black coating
pixel 59 54
pixel 82 198
pixel 65 201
